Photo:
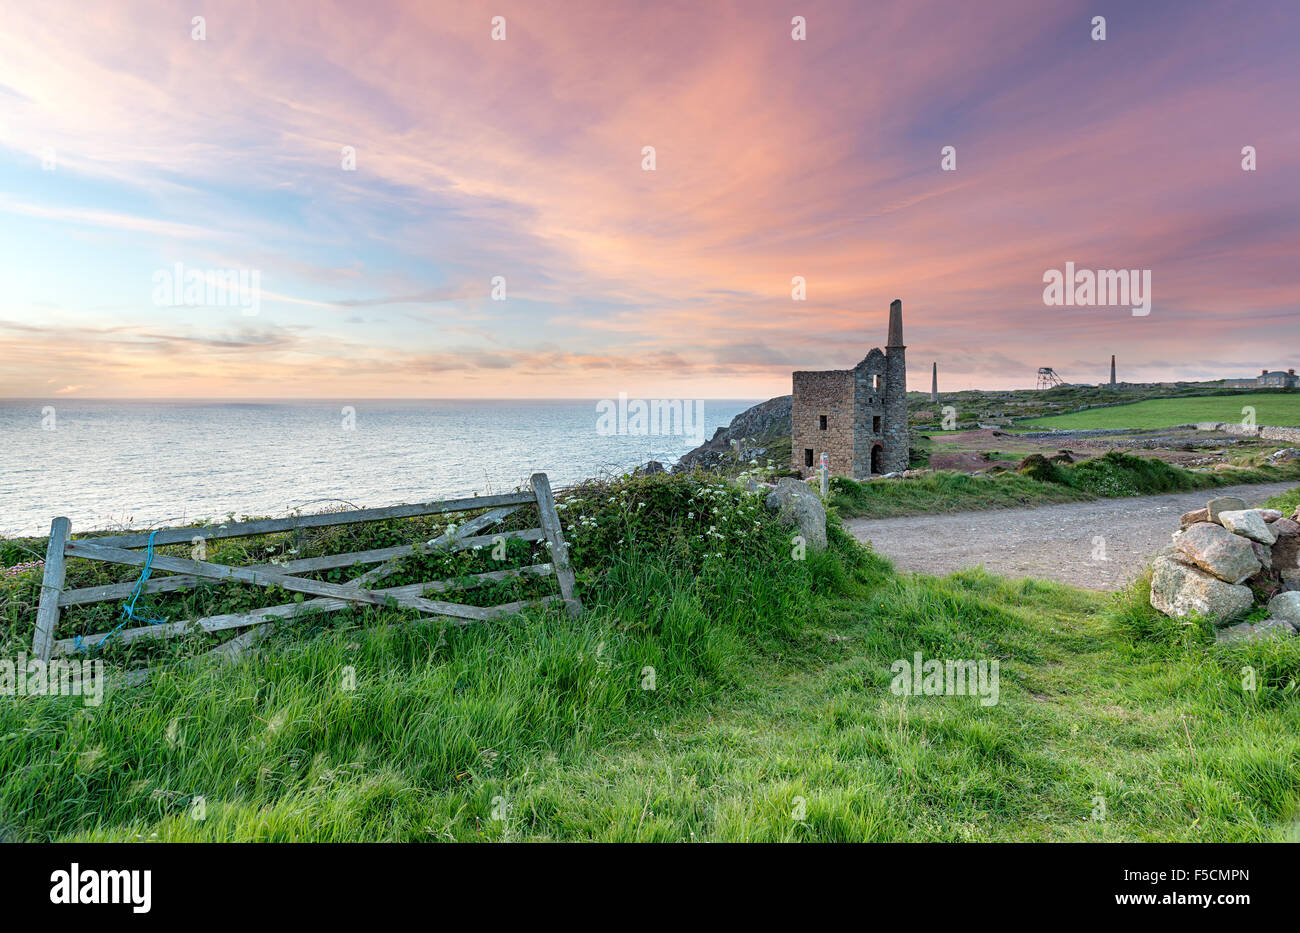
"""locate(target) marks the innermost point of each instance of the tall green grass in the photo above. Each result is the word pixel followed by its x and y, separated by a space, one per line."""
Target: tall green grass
pixel 438 711
pixel 715 689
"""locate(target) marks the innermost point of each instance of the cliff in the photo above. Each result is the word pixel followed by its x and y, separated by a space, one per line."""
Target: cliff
pixel 758 430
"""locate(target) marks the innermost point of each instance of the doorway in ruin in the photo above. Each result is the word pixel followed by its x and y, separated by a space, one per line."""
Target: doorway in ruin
pixel 877 455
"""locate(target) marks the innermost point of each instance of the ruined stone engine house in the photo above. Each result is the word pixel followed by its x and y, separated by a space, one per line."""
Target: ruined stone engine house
pixel 858 416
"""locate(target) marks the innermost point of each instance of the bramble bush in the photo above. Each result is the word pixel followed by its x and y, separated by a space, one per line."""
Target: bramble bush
pixel 690 520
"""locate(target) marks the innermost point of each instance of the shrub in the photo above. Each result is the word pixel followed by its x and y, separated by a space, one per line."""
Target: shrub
pixel 1038 467
pixel 687 520
pixel 1121 474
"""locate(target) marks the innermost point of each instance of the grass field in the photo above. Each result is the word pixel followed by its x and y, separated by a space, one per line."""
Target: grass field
pixel 1281 408
pixel 1041 482
pixel 716 689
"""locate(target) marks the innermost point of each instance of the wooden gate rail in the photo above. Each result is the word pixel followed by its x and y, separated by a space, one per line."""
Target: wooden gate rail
pixel 107 591
pixel 220 623
pixel 323 520
pixel 117 549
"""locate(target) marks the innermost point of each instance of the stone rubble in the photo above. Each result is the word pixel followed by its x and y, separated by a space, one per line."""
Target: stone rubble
pixel 1218 551
pixel 1228 560
pixel 1250 523
pixel 1221 504
pixel 1252 631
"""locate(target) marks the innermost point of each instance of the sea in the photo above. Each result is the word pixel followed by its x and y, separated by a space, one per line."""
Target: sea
pixel 148 463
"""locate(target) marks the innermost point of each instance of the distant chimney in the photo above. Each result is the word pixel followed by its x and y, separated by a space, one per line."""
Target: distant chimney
pixel 895 323
pixel 934 383
pixel 1263 372
pixel 1112 369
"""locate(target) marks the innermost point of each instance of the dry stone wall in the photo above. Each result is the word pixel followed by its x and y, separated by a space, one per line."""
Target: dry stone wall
pixel 1267 432
pixel 1226 561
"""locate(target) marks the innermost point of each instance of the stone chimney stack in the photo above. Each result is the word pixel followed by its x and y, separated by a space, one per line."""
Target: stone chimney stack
pixel 895 324
pixel 934 383
pixel 1112 369
pixel 897 439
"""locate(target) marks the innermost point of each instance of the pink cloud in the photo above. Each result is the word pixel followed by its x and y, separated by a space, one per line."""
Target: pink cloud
pixel 775 159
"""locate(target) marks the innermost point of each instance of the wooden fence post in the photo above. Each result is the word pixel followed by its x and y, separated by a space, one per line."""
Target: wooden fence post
pixel 47 613
pixel 550 520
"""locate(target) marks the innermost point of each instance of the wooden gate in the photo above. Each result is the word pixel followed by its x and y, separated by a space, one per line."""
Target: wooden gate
pixel 330 597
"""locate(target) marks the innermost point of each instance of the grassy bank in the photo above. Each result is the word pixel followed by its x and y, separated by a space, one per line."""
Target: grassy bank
pixel 1274 408
pixel 1286 502
pixel 1039 482
pixel 715 689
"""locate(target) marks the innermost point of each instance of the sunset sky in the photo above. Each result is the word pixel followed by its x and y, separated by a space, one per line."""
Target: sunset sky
pixel 523 158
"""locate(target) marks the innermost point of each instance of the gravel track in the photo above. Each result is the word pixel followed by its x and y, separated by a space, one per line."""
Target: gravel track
pixel 1053 542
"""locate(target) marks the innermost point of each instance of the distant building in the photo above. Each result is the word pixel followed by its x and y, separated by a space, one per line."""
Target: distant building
pixel 1277 379
pixel 857 417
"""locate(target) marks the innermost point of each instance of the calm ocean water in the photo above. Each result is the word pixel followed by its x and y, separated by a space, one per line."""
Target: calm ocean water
pixel 144 463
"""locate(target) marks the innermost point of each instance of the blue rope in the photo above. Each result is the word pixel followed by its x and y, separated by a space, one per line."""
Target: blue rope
pixel 128 610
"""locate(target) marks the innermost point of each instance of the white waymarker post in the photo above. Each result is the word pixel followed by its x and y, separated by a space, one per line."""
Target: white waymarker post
pixel 826 476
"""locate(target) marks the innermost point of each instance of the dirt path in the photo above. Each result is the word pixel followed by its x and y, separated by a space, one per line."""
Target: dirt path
pixel 1054 542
